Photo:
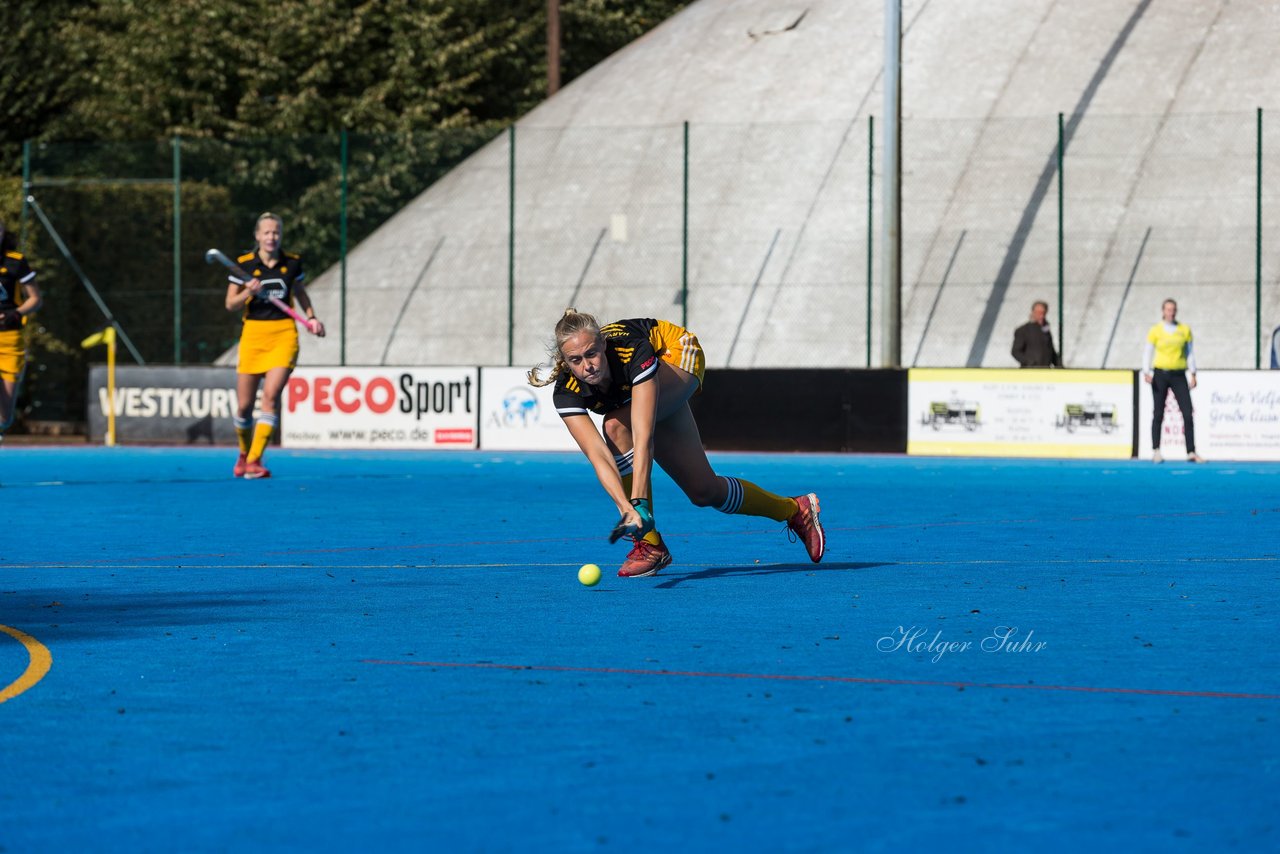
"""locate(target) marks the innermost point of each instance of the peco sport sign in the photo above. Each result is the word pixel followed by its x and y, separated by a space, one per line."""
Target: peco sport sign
pixel 401 408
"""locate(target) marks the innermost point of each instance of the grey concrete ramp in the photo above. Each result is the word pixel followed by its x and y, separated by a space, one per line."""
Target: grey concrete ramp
pixel 1159 97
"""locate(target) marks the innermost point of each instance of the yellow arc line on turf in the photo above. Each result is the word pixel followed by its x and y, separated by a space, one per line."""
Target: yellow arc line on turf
pixel 40 662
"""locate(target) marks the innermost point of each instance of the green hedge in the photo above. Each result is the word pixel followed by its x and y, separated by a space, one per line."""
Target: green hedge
pixel 122 238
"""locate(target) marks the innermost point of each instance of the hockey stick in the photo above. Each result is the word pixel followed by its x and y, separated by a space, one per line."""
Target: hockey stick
pixel 311 324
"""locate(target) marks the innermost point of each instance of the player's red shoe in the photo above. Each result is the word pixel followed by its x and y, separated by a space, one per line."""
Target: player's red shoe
pixel 255 469
pixel 241 464
pixel 644 559
pixel 805 525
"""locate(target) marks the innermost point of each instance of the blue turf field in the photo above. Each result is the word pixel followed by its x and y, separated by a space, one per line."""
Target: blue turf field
pixel 392 650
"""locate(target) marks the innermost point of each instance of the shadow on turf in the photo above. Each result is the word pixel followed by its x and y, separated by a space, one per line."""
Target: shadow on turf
pixel 765 569
pixel 54 615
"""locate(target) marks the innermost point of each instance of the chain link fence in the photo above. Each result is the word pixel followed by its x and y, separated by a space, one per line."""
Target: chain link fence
pixel 135 219
pixel 765 239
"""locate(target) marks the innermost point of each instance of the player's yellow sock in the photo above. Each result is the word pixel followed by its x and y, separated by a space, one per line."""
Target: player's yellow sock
pixel 653 538
pixel 746 499
pixel 244 433
pixel 261 435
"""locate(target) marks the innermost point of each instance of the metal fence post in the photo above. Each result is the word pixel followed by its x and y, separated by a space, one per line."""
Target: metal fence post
pixel 684 236
pixel 342 251
pixel 871 192
pixel 1257 259
pixel 26 189
pixel 511 246
pixel 177 250
pixel 1062 331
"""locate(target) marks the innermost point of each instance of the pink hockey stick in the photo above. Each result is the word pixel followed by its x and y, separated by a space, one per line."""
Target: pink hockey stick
pixel 212 255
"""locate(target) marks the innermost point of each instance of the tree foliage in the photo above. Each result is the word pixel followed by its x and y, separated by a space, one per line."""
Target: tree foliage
pixel 139 69
pixel 249 96
pixel 35 78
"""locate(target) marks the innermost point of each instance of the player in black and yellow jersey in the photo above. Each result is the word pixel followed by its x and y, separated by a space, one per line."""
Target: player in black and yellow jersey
pixel 269 339
pixel 19 298
pixel 640 374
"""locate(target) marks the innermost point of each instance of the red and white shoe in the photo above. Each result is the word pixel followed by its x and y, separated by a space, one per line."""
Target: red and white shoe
pixel 806 525
pixel 254 469
pixel 241 464
pixel 644 559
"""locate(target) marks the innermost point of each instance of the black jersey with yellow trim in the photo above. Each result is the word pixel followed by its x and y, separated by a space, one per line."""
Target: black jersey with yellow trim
pixel 277 281
pixel 14 271
pixel 632 348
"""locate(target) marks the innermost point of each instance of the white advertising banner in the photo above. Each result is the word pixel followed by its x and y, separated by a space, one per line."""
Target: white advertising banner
pixel 382 408
pixel 1020 413
pixel 1236 415
pixel 515 416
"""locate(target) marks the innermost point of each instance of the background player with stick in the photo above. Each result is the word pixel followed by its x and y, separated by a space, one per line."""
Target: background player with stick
pixel 269 340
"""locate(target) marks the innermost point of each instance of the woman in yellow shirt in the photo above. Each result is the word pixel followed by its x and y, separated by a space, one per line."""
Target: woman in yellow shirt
pixel 1169 365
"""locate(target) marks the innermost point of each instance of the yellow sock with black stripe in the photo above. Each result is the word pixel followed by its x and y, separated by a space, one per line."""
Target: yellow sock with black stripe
pixel 744 498
pixel 261 436
pixel 244 433
pixel 653 538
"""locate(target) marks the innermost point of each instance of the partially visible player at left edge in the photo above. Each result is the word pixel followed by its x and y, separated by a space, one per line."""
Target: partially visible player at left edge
pixel 19 298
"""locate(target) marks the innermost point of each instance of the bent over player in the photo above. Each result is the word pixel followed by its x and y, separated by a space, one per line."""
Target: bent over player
pixel 269 339
pixel 640 374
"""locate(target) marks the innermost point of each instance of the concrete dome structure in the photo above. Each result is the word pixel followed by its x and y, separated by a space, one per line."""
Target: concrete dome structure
pixel 1159 104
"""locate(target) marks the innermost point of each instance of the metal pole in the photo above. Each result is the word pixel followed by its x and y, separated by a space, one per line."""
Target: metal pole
pixel 1257 260
pixel 84 280
pixel 26 189
pixel 684 237
pixel 892 266
pixel 553 47
pixel 511 247
pixel 177 250
pixel 871 193
pixel 342 253
pixel 1062 332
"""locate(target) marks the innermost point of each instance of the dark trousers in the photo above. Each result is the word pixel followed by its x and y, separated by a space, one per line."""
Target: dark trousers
pixel 1161 383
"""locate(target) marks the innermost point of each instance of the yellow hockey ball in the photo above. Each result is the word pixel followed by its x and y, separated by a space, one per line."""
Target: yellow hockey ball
pixel 589 575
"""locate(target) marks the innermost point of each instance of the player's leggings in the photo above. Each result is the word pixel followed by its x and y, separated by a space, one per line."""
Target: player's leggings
pixel 1161 382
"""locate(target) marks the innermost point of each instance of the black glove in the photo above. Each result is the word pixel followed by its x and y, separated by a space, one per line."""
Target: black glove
pixel 10 320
